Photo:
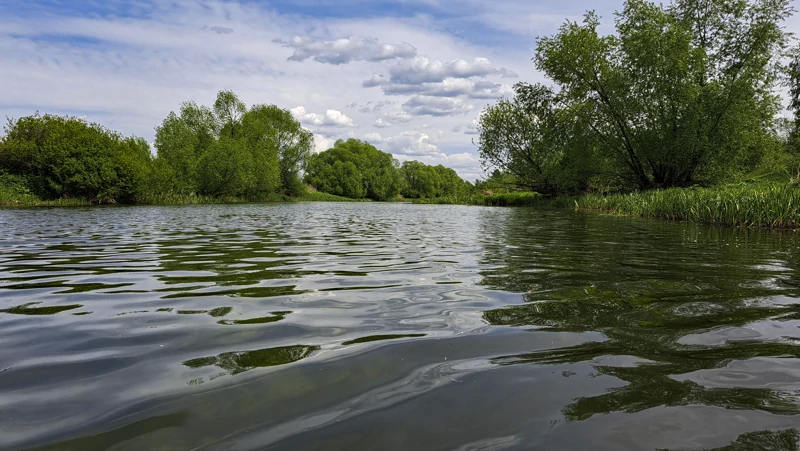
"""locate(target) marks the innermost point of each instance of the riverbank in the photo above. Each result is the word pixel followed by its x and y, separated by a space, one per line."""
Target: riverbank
pixel 766 204
pixel 517 199
pixel 13 196
pixel 752 205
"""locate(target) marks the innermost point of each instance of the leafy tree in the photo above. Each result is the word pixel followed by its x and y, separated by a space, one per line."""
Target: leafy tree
pixel 536 139
pixel 794 99
pixel 422 180
pixel 63 156
pixel 681 93
pixel 375 171
pixel 231 150
pixel 278 132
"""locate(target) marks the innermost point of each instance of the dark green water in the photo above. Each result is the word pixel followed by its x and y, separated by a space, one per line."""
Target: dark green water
pixel 393 327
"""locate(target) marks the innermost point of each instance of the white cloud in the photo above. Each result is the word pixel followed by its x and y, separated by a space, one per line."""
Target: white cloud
pixel 331 118
pixel 128 72
pixel 370 107
pixel 422 69
pixel 346 50
pixel 406 143
pixel 436 106
pixel 376 80
pixel 451 87
pixel 322 143
pixel 468 129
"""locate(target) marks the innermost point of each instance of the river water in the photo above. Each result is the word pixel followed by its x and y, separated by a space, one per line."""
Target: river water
pixel 324 326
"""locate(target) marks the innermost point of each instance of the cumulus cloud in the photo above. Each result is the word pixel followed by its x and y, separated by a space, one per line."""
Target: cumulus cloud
pixel 370 107
pixel 419 105
pixel 422 69
pixel 346 50
pixel 507 73
pixel 322 143
pixel 376 80
pixel 399 117
pixel 331 118
pixel 468 129
pixel 452 87
pixel 406 143
pixel 380 123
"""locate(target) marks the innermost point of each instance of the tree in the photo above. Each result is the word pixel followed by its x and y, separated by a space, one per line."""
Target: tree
pixel 794 99
pixel 681 94
pixel 535 138
pixel 230 150
pixel 281 134
pixel 63 156
pixel 375 171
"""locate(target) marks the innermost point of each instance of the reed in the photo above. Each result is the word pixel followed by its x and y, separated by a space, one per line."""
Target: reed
pixel 518 199
pixel 764 205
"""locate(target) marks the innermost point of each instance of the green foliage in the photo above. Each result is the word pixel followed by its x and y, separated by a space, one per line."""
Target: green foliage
pixel 354 169
pixel 534 139
pixel 682 93
pixel 358 170
pixel 230 150
pixel 793 71
pixel 424 181
pixel 515 199
pixel 767 204
pixel 67 157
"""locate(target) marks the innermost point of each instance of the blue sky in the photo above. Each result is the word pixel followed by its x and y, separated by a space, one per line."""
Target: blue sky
pixel 410 76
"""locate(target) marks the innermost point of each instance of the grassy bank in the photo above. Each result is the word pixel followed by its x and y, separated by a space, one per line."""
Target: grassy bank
pixel 767 205
pixel 761 204
pixel 489 200
pixel 13 194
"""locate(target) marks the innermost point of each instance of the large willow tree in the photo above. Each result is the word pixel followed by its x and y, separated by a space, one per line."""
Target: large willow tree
pixel 680 93
pixel 228 149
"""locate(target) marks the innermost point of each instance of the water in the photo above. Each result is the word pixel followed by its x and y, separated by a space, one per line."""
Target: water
pixel 392 327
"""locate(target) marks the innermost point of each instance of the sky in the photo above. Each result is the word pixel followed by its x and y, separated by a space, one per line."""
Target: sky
pixel 409 76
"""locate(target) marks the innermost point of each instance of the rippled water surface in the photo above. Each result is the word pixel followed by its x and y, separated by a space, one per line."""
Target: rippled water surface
pixel 393 327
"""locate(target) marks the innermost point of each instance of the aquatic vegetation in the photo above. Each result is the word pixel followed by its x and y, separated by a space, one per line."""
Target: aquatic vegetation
pixel 767 205
pixel 489 200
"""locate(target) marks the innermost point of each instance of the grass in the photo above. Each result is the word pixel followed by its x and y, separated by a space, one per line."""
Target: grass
pixel 768 204
pixel 15 194
pixel 489 200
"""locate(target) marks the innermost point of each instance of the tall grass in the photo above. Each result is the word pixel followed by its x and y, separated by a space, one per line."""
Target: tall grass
pixel 13 193
pixel 490 200
pixel 767 205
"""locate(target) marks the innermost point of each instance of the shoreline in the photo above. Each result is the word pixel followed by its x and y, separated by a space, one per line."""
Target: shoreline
pixel 760 205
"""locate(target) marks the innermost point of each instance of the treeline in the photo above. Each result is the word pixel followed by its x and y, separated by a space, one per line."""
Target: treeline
pixel 682 94
pixel 223 151
pixel 358 170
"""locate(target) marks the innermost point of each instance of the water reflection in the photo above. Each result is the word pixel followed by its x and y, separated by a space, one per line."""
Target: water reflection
pixel 786 440
pixel 647 300
pixel 239 362
pixel 372 338
pixel 26 309
pixel 415 321
pixel 276 316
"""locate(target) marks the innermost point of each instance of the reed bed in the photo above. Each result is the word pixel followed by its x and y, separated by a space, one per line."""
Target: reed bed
pixel 764 205
pixel 518 199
